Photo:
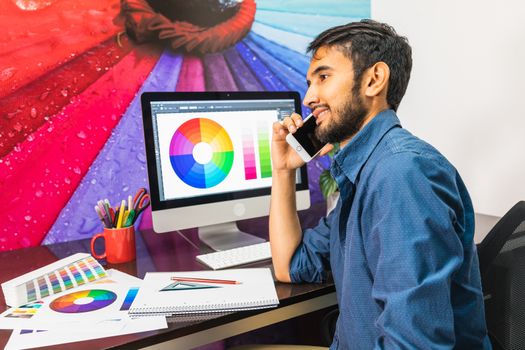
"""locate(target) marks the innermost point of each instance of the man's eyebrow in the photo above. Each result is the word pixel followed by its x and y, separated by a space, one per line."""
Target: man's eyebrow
pixel 317 71
pixel 320 69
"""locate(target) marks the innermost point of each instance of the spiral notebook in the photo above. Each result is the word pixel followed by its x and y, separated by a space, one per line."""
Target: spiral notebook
pixel 201 292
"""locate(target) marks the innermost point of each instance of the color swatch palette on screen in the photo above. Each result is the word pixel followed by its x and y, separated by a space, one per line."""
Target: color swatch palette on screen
pixel 201 153
pixel 263 150
pixel 54 278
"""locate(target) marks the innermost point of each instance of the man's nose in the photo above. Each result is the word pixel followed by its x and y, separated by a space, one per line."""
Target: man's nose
pixel 310 98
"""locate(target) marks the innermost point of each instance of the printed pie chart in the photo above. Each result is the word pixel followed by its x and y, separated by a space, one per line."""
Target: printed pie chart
pixel 83 301
pixel 201 153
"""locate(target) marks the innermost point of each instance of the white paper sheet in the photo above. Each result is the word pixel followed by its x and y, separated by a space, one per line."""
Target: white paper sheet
pixel 48 326
pixel 19 340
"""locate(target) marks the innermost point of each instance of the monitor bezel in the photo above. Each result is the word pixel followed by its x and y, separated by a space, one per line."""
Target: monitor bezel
pixel 148 97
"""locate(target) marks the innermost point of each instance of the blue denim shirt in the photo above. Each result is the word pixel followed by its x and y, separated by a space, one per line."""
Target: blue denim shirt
pixel 400 246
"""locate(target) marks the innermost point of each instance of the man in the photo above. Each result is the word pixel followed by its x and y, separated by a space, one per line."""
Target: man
pixel 400 241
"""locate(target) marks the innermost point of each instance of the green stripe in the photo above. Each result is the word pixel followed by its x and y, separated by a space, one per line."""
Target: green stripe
pixel 264 153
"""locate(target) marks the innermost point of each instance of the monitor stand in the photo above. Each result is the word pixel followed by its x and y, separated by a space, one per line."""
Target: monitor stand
pixel 226 236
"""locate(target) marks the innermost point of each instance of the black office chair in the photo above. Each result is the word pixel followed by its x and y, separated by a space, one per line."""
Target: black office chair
pixel 502 266
pixel 500 253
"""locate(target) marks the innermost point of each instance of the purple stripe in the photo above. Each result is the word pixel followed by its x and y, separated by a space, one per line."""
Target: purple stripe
pixel 120 168
pixel 217 74
pixel 243 76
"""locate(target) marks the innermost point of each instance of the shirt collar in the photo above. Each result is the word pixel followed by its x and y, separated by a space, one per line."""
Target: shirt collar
pixel 351 158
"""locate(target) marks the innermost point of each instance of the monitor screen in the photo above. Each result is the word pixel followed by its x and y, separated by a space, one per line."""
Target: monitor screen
pixel 213 147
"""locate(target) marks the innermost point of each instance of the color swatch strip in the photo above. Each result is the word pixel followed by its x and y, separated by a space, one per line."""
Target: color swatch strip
pixel 264 150
pixel 31 291
pixel 25 311
pixel 87 271
pixel 67 277
pixel 128 300
pixel 250 170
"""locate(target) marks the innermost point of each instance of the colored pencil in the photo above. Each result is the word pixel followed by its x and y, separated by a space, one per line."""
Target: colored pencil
pixel 204 280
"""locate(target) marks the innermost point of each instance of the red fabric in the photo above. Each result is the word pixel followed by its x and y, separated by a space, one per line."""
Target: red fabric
pixel 34 42
pixel 32 105
pixel 147 25
pixel 39 176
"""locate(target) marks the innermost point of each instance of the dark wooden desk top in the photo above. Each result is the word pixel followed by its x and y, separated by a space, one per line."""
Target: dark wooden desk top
pixel 174 251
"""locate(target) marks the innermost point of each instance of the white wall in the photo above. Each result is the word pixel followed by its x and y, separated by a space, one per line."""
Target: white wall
pixel 466 95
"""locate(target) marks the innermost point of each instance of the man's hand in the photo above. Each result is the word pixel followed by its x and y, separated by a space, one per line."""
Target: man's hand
pixel 285 157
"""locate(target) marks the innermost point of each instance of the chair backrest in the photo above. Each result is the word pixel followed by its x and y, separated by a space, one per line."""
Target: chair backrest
pixel 498 236
pixel 502 265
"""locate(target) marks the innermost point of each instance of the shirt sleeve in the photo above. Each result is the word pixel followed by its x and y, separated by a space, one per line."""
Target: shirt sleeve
pixel 413 242
pixel 310 261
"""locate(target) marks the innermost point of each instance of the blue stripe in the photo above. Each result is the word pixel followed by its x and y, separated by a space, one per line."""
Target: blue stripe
pixel 305 24
pixel 267 78
pixel 346 8
pixel 299 62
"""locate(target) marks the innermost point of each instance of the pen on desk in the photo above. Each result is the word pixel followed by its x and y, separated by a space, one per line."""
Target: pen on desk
pixel 203 280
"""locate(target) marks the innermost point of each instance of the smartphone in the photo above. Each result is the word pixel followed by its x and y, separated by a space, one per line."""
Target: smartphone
pixel 304 141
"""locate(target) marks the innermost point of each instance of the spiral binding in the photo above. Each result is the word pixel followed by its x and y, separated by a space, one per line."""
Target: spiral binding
pixel 209 308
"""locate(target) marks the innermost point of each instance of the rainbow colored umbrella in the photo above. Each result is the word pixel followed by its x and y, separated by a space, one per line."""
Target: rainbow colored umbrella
pixel 70 117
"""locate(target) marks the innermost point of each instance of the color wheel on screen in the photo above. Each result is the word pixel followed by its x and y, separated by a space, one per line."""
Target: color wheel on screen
pixel 83 301
pixel 201 153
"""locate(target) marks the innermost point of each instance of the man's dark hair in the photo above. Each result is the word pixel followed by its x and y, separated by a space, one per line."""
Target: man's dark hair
pixel 366 43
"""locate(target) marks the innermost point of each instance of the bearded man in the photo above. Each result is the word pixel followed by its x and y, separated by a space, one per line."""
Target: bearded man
pixel 399 244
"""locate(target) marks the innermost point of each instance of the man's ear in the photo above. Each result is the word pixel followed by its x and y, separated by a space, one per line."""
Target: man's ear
pixel 376 80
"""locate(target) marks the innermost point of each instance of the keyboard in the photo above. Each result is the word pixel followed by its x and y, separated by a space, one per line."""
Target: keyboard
pixel 236 256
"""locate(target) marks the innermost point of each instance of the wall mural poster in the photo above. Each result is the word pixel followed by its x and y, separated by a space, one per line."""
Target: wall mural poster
pixel 71 75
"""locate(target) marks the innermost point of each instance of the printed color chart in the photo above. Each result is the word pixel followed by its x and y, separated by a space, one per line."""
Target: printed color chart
pixel 67 277
pixel 83 301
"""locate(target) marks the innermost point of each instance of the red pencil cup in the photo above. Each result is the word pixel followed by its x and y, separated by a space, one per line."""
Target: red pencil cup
pixel 120 244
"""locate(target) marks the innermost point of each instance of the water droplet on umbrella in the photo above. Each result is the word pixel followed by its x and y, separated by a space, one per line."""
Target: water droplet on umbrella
pixel 44 95
pixel 64 92
pixel 33 5
pixel 82 135
pixel 27 217
pixel 67 180
pixel 77 170
pixel 7 73
pixel 31 137
pixel 34 113
pixel 39 193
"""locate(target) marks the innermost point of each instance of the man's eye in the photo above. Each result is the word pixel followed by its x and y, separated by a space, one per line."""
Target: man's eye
pixel 323 76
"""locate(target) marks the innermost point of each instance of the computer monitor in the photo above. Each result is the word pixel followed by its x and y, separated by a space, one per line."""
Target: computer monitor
pixel 209 165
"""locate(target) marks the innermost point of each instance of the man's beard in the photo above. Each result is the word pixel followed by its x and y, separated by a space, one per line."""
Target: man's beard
pixel 346 121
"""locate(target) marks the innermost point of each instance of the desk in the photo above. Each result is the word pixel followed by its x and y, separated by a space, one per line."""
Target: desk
pixel 176 251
